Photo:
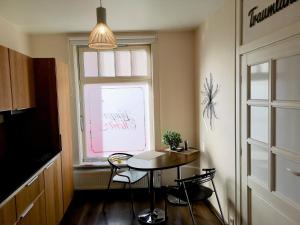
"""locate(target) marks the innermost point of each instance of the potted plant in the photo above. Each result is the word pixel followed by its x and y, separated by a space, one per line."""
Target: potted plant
pixel 172 139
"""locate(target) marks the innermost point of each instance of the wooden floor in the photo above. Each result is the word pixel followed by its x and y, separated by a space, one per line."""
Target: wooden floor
pixel 86 209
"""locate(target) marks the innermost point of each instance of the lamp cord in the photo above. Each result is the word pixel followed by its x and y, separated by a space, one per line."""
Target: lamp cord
pixel 100 3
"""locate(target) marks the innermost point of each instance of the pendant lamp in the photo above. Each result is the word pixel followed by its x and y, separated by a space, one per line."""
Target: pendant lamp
pixel 102 37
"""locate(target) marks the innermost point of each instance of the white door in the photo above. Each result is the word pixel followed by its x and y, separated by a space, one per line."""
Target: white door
pixel 271 134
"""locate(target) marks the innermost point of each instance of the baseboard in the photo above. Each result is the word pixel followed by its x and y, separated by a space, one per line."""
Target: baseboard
pixel 215 211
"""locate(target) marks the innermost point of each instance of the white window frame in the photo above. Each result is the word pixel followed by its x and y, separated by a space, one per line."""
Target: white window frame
pixel 79 44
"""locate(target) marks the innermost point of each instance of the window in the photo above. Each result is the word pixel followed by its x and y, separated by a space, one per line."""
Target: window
pixel 115 99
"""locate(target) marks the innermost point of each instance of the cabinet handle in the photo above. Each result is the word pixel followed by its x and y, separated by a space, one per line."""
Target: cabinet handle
pixel 27 211
pixel 293 172
pixel 50 165
pixel 33 179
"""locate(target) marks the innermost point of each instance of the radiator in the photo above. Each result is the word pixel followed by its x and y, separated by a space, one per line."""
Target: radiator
pixel 92 179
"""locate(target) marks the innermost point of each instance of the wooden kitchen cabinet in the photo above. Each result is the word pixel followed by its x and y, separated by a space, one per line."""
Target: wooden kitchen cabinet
pixel 64 109
pixel 53 85
pixel 39 201
pixel 35 213
pixel 29 193
pixel 22 80
pixel 5 85
pixel 53 192
pixel 8 214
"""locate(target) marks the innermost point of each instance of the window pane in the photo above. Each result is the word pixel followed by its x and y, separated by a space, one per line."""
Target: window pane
pixel 259 123
pixel 287 183
pixel 259 75
pixel 107 64
pixel 90 64
pixel 288 78
pixel 259 163
pixel 139 63
pixel 115 119
pixel 123 63
pixel 288 129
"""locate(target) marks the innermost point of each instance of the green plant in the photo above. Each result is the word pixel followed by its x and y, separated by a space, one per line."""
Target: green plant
pixel 172 139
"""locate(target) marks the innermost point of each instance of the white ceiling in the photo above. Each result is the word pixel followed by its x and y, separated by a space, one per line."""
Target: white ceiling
pixel 46 16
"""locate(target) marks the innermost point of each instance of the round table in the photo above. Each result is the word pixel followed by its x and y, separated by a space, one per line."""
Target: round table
pixel 166 160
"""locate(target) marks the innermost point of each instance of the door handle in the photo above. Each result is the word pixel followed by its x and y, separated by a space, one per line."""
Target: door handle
pixel 50 165
pixel 24 214
pixel 296 173
pixel 33 179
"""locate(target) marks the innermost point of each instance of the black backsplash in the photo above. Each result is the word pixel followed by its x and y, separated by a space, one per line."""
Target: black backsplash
pixel 25 147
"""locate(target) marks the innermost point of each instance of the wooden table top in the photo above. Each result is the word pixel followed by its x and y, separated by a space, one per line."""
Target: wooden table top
pixel 168 159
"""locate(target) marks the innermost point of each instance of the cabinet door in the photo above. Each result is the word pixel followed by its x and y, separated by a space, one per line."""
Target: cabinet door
pixel 53 192
pixel 8 214
pixel 35 213
pixel 29 193
pixel 64 103
pixel 22 80
pixel 5 86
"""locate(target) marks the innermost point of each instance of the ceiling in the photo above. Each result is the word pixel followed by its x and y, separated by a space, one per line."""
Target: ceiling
pixel 56 16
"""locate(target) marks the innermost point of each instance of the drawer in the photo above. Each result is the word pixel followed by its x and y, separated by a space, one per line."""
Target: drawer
pixel 288 178
pixel 29 193
pixel 35 213
pixel 8 213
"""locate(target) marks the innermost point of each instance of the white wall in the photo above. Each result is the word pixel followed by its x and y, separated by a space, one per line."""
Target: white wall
pixel 49 46
pixel 176 81
pixel 215 41
pixel 12 37
pixel 176 72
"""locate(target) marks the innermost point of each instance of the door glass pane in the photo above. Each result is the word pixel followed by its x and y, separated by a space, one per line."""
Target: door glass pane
pixel 107 63
pixel 259 76
pixel 288 78
pixel 287 183
pixel 259 163
pixel 288 129
pixel 123 63
pixel 259 123
pixel 139 62
pixel 116 118
pixel 90 64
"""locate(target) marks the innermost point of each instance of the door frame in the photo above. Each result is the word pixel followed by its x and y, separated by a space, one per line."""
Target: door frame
pixel 241 49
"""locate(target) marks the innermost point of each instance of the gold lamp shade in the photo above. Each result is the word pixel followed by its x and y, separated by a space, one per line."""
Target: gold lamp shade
pixel 101 36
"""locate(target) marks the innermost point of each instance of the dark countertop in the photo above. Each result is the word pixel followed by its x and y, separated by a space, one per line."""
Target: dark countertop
pixel 14 172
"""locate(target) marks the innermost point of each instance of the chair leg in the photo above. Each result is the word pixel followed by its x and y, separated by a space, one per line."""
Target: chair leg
pixel 166 203
pixel 223 220
pixel 131 196
pixel 108 186
pixel 189 204
pixel 148 182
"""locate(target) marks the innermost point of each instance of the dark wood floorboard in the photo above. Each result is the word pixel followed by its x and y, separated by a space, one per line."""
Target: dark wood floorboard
pixel 86 209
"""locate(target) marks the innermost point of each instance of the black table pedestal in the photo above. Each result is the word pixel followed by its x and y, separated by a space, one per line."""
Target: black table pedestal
pixel 152 215
pixel 156 216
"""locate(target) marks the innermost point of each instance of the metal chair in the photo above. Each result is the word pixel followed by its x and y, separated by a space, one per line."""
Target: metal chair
pixel 191 190
pixel 122 174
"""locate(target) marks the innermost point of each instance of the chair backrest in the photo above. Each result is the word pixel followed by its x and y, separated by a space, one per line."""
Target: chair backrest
pixel 118 160
pixel 199 179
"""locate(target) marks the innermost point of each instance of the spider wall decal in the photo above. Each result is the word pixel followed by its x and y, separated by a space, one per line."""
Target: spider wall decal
pixel 210 92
